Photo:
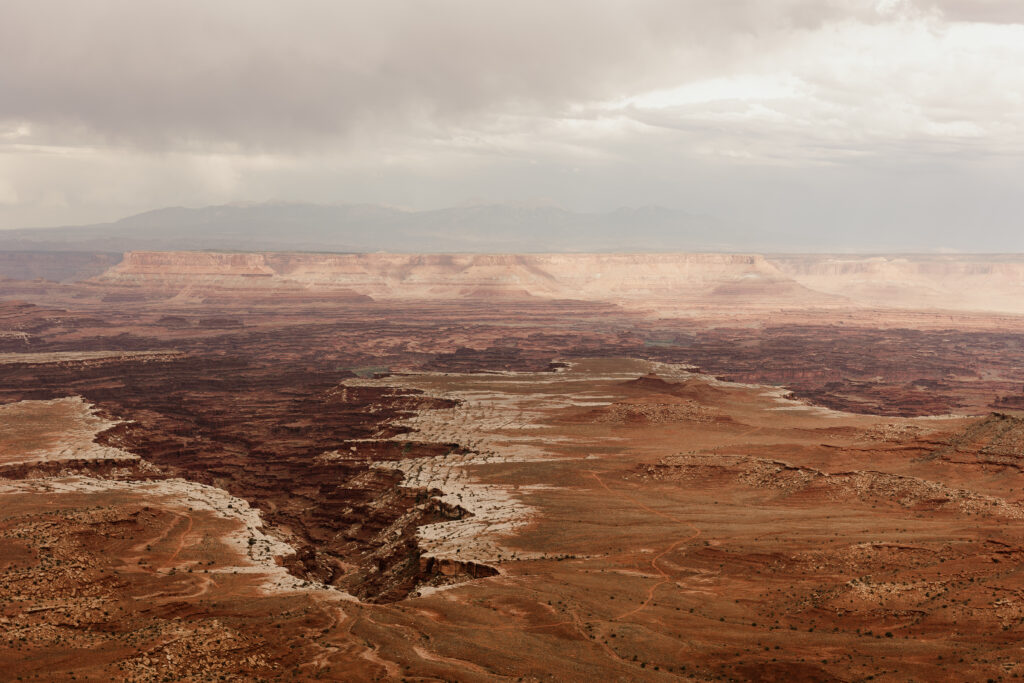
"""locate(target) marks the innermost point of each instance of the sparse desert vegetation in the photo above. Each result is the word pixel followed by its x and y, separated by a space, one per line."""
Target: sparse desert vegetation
pixel 223 480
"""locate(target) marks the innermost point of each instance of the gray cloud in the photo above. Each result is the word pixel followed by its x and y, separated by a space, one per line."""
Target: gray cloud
pixel 988 11
pixel 274 74
pixel 283 74
pixel 815 112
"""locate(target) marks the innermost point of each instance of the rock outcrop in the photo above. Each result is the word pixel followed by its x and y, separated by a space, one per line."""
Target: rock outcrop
pixel 664 282
pixel 961 282
pixel 595 277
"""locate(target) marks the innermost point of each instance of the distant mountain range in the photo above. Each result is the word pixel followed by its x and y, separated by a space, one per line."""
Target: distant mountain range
pixel 370 228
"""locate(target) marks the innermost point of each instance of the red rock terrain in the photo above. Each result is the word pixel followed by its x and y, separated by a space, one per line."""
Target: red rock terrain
pixel 358 467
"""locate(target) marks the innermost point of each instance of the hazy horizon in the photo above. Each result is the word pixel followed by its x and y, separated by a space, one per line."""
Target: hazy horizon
pixel 490 228
pixel 895 124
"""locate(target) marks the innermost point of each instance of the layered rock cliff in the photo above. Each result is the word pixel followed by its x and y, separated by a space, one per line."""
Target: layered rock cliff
pixel 607 277
pixel 961 282
pixel 656 281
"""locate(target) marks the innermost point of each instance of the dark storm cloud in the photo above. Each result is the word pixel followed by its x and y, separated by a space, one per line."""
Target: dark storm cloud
pixel 278 74
pixel 826 118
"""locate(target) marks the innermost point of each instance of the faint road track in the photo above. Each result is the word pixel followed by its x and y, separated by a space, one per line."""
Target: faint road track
pixel 654 561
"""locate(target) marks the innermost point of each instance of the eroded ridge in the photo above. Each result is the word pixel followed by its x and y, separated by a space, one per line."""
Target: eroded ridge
pixel 496 419
pixel 65 432
pixel 100 550
pixel 62 429
pixel 648 522
pixel 258 551
pixel 807 484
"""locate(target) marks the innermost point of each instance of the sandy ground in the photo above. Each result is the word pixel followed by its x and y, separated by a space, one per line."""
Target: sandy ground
pixel 59 429
pixel 648 524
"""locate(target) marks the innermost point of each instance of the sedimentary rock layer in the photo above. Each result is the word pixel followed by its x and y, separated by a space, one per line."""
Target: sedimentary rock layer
pixel 664 282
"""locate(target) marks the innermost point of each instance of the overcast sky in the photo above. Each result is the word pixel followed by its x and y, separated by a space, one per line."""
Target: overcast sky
pixel 901 120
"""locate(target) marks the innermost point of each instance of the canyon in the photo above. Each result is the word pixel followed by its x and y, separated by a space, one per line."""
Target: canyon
pixel 299 466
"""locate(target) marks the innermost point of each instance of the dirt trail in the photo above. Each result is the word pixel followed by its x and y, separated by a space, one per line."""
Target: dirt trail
pixel 181 541
pixel 654 561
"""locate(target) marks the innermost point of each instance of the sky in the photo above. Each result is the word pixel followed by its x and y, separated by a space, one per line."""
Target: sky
pixel 897 121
